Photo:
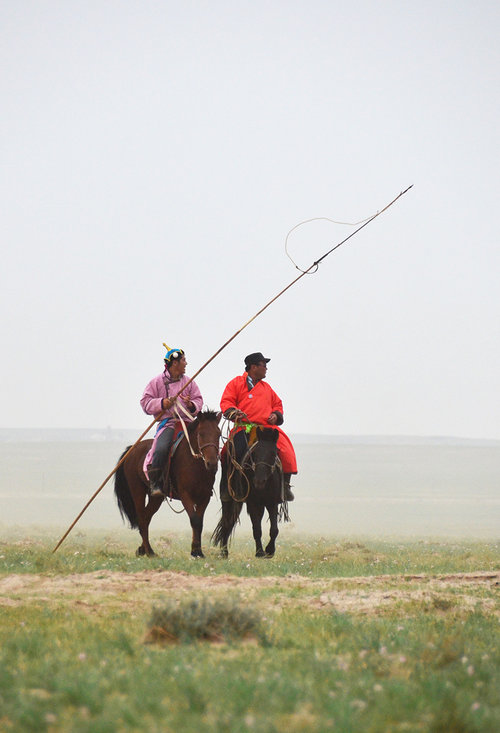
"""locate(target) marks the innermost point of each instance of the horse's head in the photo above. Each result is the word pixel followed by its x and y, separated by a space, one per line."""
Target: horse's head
pixel 208 435
pixel 264 455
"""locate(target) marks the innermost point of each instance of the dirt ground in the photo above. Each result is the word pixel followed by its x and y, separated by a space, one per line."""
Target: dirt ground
pixel 135 592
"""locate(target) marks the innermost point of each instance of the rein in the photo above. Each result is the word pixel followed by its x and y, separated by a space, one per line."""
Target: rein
pixel 200 447
pixel 235 467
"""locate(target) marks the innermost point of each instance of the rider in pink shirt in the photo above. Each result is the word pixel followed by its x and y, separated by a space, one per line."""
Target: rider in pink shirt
pixel 158 400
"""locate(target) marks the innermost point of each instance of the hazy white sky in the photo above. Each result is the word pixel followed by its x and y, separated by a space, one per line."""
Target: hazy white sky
pixel 154 156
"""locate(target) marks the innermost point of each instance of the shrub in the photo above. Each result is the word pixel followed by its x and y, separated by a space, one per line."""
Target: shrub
pixel 203 618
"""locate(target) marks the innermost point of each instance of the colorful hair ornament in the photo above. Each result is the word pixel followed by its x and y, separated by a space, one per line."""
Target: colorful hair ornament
pixel 173 354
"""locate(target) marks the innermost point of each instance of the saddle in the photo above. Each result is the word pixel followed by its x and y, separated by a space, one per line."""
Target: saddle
pixel 169 487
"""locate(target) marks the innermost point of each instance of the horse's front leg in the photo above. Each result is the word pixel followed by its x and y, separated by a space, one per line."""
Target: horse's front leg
pixel 196 513
pixel 256 512
pixel 273 529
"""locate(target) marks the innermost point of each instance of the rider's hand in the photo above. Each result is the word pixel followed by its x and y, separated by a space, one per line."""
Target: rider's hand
pixel 235 414
pixel 272 419
pixel 166 404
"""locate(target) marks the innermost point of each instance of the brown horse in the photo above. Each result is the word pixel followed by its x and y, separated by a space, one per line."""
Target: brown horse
pixel 192 477
pixel 255 477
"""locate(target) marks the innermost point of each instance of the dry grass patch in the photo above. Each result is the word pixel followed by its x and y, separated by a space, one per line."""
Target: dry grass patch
pixel 194 619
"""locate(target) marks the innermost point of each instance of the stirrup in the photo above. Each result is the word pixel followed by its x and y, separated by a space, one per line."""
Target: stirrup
pixel 289 494
pixel 155 481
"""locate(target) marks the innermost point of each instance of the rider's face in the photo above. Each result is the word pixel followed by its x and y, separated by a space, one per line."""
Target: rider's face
pixel 259 371
pixel 178 367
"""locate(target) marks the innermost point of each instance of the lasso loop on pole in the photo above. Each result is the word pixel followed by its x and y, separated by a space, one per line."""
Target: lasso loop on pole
pixel 309 271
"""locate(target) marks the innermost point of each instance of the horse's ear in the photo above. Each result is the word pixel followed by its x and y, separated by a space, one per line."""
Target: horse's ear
pixel 219 415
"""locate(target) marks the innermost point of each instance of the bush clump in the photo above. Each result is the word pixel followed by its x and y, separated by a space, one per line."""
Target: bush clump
pixel 203 618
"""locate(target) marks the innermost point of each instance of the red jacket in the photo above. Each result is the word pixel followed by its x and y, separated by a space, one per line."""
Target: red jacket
pixel 258 403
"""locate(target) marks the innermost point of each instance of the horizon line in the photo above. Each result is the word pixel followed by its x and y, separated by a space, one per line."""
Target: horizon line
pixel 108 430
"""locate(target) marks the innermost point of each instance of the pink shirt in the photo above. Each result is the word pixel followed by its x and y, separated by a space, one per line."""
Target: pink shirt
pixel 163 386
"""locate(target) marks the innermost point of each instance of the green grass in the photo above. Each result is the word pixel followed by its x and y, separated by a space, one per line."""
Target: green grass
pixel 429 664
pixel 312 557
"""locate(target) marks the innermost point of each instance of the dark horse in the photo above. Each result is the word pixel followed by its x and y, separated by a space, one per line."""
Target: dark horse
pixel 254 476
pixel 191 476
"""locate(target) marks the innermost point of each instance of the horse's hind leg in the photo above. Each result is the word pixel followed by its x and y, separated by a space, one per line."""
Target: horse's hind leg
pixel 256 513
pixel 273 530
pixel 230 513
pixel 144 514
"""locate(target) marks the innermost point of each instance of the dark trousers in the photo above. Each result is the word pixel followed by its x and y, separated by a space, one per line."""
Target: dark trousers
pixel 161 450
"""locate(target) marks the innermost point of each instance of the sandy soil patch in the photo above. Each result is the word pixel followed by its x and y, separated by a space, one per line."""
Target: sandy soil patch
pixel 96 591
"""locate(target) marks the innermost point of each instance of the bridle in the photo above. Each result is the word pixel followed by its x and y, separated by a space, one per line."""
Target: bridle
pixel 248 461
pixel 247 464
pixel 201 448
pixel 199 454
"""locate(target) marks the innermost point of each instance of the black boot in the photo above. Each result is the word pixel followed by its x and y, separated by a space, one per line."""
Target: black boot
pixel 286 486
pixel 155 481
pixel 160 462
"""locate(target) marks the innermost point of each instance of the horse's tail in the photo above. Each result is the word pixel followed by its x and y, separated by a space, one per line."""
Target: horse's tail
pixel 123 496
pixel 227 524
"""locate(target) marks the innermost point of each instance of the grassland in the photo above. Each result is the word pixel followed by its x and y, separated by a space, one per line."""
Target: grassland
pixel 346 635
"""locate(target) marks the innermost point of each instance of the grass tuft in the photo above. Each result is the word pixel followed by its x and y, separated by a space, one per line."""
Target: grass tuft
pixel 203 619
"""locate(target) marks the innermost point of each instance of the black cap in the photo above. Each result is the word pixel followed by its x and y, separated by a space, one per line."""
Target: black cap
pixel 255 359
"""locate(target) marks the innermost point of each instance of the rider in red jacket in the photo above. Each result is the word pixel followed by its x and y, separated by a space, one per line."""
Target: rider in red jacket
pixel 250 398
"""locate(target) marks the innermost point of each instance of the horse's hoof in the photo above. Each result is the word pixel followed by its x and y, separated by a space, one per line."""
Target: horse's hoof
pixel 224 554
pixel 269 554
pixel 197 553
pixel 140 551
pixel 260 553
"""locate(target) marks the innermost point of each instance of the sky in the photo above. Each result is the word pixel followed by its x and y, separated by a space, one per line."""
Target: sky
pixel 154 157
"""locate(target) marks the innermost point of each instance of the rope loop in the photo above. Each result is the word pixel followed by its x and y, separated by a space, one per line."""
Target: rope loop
pixel 309 270
pixel 170 501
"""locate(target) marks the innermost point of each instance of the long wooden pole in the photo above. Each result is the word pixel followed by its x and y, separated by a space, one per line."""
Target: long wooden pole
pixel 313 267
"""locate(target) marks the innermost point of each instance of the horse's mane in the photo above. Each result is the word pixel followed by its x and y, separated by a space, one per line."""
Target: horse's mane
pixel 268 433
pixel 207 414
